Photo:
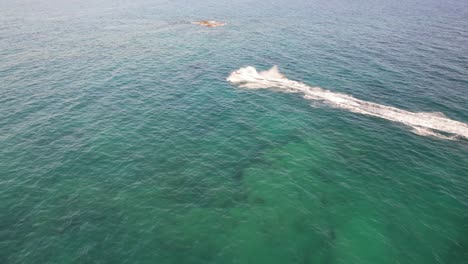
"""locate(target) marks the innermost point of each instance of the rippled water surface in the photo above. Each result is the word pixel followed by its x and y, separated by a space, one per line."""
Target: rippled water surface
pixel 122 142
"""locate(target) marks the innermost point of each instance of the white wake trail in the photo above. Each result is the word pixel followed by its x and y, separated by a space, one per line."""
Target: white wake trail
pixel 425 124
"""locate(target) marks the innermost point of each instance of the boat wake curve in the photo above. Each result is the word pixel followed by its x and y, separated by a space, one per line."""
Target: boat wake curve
pixel 422 123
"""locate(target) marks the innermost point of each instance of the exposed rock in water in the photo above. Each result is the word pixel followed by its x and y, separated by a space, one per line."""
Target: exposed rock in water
pixel 209 23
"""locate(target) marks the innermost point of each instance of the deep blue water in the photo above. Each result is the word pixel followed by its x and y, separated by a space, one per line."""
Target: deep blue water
pixel 122 142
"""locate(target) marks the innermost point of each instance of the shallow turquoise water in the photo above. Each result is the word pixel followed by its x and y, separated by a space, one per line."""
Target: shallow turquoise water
pixel 121 141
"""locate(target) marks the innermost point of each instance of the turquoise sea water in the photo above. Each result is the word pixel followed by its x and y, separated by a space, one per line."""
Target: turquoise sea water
pixel 122 142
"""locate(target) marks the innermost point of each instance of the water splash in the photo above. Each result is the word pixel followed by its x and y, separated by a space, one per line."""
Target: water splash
pixel 421 123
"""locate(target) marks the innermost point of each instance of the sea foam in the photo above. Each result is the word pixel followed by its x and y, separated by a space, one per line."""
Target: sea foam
pixel 422 123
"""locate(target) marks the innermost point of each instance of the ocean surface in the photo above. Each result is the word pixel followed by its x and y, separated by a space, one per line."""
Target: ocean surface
pixel 123 141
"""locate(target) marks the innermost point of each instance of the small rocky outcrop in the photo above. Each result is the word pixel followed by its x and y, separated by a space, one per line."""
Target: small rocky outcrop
pixel 209 23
